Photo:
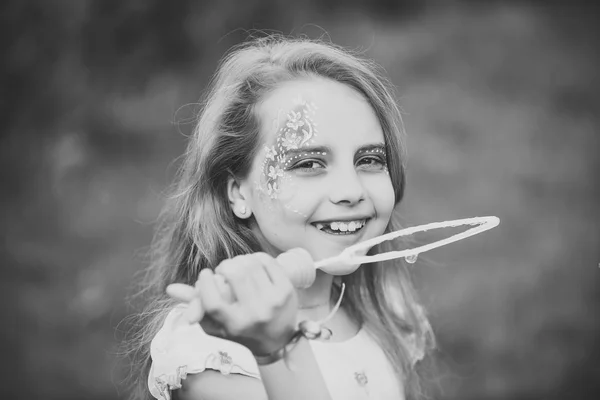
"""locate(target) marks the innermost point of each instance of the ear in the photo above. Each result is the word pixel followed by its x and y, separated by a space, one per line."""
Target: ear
pixel 237 198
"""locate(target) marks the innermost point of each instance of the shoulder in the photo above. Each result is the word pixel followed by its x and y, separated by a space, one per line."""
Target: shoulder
pixel 180 350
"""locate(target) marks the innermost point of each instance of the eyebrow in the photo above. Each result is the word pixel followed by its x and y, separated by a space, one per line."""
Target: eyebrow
pixel 372 147
pixel 302 150
pixel 327 149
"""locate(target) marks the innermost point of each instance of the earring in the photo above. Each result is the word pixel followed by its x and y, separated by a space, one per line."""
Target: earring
pixel 243 210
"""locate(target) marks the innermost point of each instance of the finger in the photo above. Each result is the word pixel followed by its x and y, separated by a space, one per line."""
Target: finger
pixel 194 312
pixel 182 292
pixel 283 289
pixel 224 288
pixel 272 268
pixel 222 318
pixel 210 296
pixel 277 270
pixel 238 274
pixel 262 280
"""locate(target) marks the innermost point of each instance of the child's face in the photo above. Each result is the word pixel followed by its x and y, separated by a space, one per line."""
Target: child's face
pixel 320 181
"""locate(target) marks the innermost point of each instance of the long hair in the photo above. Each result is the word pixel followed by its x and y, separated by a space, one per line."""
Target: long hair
pixel 198 229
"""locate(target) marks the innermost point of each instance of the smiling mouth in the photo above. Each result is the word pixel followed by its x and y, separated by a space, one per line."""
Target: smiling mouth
pixel 341 227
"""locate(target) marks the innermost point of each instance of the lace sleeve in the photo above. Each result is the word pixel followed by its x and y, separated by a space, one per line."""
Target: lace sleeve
pixel 181 348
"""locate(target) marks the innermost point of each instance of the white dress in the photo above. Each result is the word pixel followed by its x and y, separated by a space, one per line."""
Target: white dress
pixel 356 369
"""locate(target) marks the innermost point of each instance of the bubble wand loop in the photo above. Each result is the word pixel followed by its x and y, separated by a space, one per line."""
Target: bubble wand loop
pixel 350 256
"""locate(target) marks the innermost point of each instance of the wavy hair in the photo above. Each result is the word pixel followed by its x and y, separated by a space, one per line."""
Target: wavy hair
pixel 197 228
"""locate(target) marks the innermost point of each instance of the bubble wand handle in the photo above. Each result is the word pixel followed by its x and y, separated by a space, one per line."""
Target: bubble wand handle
pixel 350 254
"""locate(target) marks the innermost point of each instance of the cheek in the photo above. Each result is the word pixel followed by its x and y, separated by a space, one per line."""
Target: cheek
pixel 295 197
pixel 381 191
pixel 291 203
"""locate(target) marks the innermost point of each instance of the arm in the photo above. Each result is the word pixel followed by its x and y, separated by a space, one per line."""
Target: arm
pixel 213 385
pixel 261 315
pixel 303 381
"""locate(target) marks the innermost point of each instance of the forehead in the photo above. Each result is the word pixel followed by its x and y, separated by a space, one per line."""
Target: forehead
pixel 338 110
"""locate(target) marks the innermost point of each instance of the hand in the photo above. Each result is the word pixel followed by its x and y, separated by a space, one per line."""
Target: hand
pixel 259 310
pixel 297 264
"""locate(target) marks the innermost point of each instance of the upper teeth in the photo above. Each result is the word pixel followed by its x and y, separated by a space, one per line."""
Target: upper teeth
pixel 343 226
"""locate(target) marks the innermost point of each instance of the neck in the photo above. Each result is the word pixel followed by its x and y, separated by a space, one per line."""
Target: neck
pixel 315 302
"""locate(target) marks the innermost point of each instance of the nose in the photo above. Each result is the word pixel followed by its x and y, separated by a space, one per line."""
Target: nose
pixel 346 188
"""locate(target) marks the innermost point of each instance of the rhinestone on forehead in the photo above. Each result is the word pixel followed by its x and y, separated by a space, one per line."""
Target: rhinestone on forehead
pixel 299 130
pixel 378 150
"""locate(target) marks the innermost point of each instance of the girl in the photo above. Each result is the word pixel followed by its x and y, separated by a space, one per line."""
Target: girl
pixel 298 146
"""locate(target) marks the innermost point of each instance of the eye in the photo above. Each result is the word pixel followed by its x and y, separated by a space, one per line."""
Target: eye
pixel 371 163
pixel 307 166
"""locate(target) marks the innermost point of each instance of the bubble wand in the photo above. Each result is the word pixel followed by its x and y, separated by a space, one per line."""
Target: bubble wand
pixel 301 269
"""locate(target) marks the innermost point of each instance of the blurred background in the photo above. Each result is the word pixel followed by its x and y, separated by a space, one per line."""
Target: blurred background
pixel 501 102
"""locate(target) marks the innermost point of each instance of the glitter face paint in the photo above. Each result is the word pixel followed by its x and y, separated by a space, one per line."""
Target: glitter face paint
pixel 298 130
